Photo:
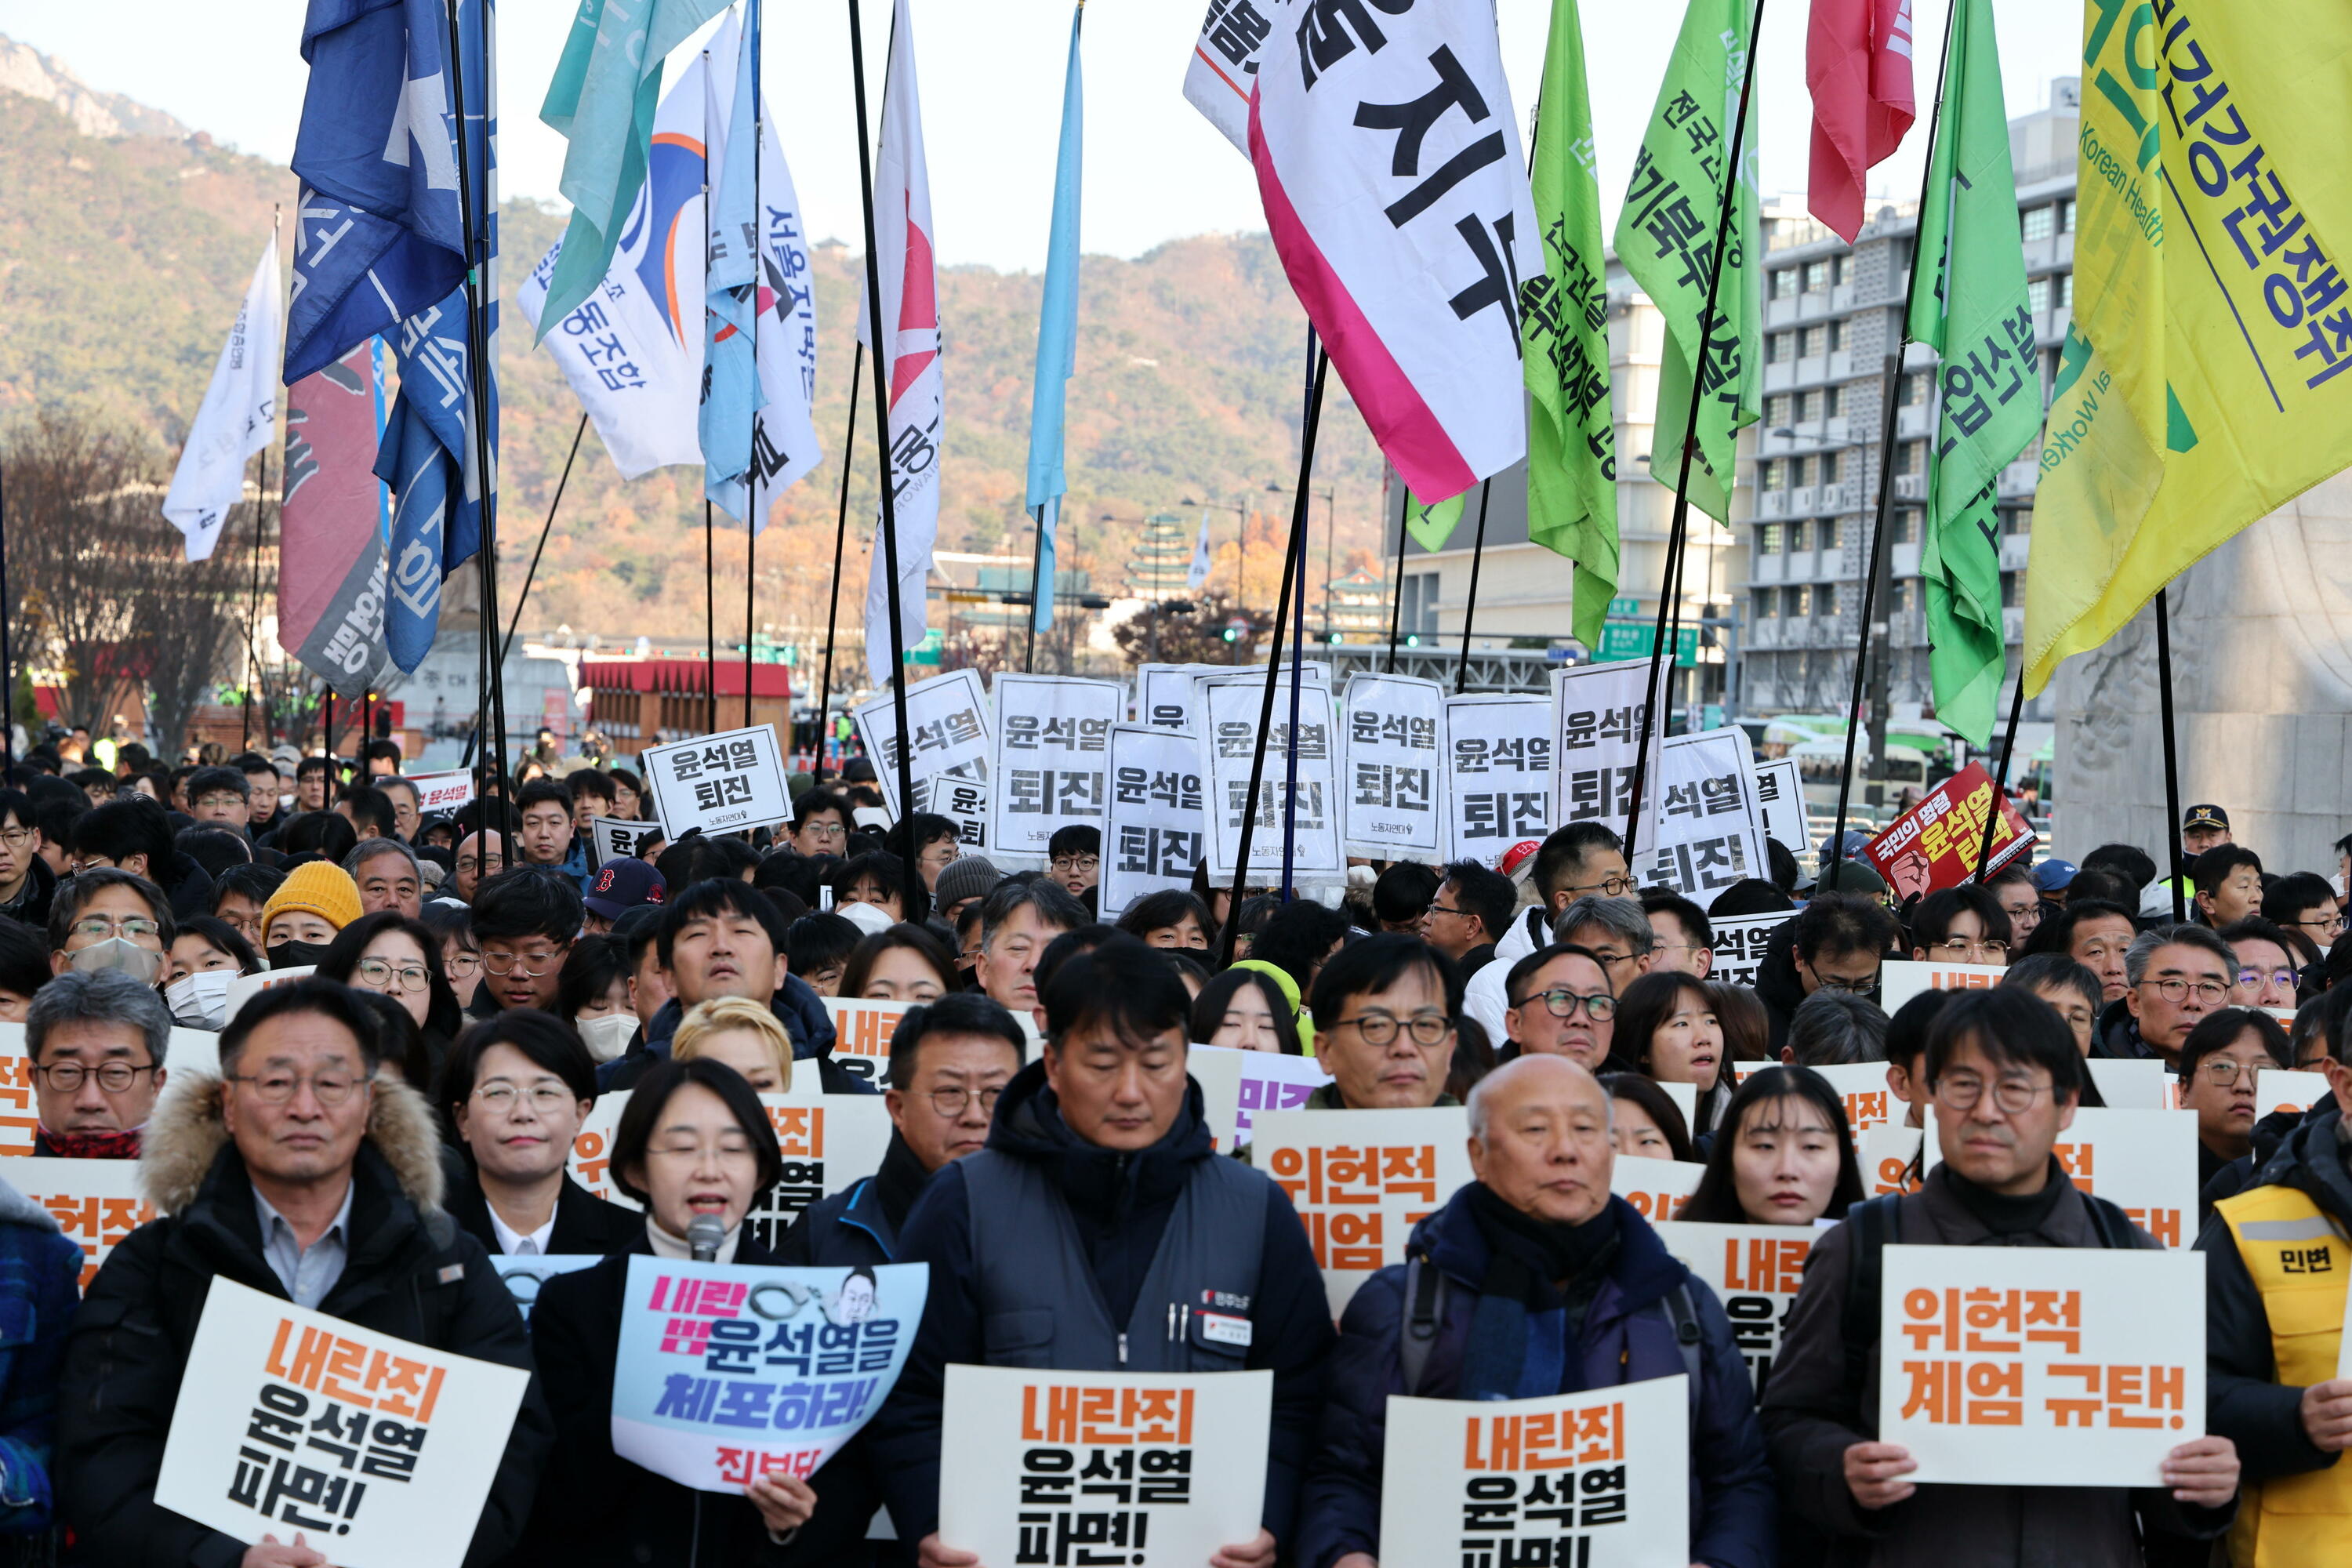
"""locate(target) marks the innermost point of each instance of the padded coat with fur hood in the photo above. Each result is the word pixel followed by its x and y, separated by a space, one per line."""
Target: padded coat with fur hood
pixel 411 1273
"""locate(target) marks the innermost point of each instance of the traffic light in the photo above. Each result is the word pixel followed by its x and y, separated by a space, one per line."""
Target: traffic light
pixel 1232 634
pixel 1332 637
pixel 1412 640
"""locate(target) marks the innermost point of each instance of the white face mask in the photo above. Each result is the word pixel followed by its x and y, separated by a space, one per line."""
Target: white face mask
pixel 608 1036
pixel 200 1000
pixel 120 952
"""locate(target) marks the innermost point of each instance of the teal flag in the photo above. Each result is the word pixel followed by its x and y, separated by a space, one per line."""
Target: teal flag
pixel 1057 337
pixel 1564 327
pixel 602 99
pixel 1968 304
pixel 1665 237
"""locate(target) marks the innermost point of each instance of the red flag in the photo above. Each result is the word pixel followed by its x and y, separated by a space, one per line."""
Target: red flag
pixel 1858 65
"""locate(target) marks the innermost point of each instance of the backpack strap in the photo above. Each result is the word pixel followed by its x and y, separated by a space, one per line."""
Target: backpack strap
pixel 1872 1224
pixel 2112 1226
pixel 1424 1298
pixel 1689 1339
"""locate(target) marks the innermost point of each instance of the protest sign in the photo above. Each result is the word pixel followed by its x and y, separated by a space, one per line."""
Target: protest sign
pixel 1936 842
pixel 382 1451
pixel 1900 979
pixel 1870 1104
pixel 1497 774
pixel 1361 1181
pixel 1165 697
pixel 1656 1188
pixel 1600 1479
pixel 829 1142
pixel 20 1117
pixel 1395 726
pixel 193 1050
pixel 2041 1366
pixel 1236 1085
pixel 1754 1270
pixel 1685 1098
pixel 2143 1161
pixel 729 1372
pixel 1709 833
pixel 96 1203
pixel 2278 1089
pixel 1739 942
pixel 442 793
pixel 591 1161
pixel 1053 752
pixel 1597 712
pixel 861 1034
pixel 720 782
pixel 1154 838
pixel 950 717
pixel 2142 1083
pixel 246 987
pixel 524 1273
pixel 1091 1466
pixel 1780 800
pixel 1231 739
pixel 1890 1159
pixel 619 840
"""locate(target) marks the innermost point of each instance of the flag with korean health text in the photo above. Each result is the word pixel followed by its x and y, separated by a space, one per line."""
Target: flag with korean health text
pixel 1387 157
pixel 1564 322
pixel 1052 762
pixel 1154 838
pixel 292 1420
pixel 1665 237
pixel 1969 303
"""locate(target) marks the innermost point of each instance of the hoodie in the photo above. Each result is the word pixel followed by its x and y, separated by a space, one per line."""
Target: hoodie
pixel 795 1005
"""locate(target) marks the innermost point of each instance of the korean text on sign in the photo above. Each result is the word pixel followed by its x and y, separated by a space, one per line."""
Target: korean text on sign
pixel 718 783
pixel 948 760
pixel 1597 714
pixel 1362 1180
pixel 1739 942
pixel 1709 832
pixel 96 1203
pixel 2144 1161
pixel 1754 1270
pixel 1053 755
pixel 1390 785
pixel 290 1419
pixel 2041 1366
pixel 1935 843
pixel 1155 837
pixel 1234 740
pixel 1577 1480
pixel 730 1372
pixel 828 1142
pixel 1072 1468
pixel 1497 774
pixel 1656 1188
pixel 1236 1085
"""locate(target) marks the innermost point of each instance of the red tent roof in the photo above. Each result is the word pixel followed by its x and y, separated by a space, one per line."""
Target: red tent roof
pixel 681 675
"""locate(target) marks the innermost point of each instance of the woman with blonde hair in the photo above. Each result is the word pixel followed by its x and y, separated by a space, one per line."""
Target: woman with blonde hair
pixel 742 1033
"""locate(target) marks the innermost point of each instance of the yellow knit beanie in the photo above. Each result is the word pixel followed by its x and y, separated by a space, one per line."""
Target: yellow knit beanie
pixel 319 888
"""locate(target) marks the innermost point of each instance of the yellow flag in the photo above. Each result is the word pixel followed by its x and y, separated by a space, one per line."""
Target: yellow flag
pixel 2207 378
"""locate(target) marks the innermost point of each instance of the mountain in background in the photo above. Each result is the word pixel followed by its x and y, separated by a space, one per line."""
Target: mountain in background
pixel 128 239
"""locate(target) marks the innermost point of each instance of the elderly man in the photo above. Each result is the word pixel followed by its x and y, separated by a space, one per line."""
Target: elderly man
pixel 96 1042
pixel 2176 974
pixel 299 1175
pixel 1562 1005
pixel 478 860
pixel 1385 1009
pixel 1544 1284
pixel 105 918
pixel 1017 919
pixel 388 876
pixel 1614 930
pixel 408 805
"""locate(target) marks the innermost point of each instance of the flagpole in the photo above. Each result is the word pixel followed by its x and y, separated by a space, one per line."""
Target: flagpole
pixel 756 512
pixel 1470 610
pixel 2171 754
pixel 1680 529
pixel 1036 568
pixel 1297 563
pixel 918 897
pixel 2000 782
pixel 840 539
pixel 1396 600
pixel 506 647
pixel 1894 380
pixel 710 594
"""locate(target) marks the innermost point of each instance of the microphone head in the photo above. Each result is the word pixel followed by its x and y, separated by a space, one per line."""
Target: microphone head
pixel 704 1235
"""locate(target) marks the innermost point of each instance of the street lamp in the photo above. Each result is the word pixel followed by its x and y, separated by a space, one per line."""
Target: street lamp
pixel 1330 526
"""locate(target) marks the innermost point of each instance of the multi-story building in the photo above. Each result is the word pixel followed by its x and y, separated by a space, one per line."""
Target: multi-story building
pixel 1355 608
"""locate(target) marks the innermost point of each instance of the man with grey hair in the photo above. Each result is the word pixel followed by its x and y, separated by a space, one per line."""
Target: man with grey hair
pixel 407 803
pixel 1614 930
pixel 1534 1280
pixel 2176 974
pixel 97 1043
pixel 389 875
pixel 1833 1028
pixel 1017 921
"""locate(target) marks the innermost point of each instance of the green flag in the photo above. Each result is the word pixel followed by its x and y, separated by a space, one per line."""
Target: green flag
pixel 1665 237
pixel 1564 325
pixel 1968 304
pixel 601 98
pixel 1431 526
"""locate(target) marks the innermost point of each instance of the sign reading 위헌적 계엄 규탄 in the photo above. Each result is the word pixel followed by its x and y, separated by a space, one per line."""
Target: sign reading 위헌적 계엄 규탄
pixel 1362 1180
pixel 720 783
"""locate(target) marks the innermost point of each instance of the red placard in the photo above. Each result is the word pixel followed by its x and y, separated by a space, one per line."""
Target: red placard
pixel 1935 843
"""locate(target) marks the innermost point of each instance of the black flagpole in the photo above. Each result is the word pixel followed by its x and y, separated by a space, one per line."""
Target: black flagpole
pixel 918 897
pixel 1470 610
pixel 2171 754
pixel 1396 603
pixel 1036 566
pixel 506 645
pixel 840 539
pixel 756 512
pixel 1680 529
pixel 2001 783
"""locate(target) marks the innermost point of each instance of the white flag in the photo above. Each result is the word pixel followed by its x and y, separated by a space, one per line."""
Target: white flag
pixel 911 303
pixel 1200 572
pixel 1223 67
pixel 238 418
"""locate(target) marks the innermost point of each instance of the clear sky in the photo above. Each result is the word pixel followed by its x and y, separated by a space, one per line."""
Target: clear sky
pixel 991 77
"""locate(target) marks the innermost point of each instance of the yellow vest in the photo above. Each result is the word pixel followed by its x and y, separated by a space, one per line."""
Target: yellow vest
pixel 2301 1263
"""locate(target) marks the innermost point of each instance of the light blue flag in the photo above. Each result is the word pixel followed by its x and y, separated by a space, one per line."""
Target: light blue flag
pixel 1057 337
pixel 731 395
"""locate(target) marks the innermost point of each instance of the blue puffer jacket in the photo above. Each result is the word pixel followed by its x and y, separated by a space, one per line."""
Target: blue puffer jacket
pixel 1628 1336
pixel 40 1285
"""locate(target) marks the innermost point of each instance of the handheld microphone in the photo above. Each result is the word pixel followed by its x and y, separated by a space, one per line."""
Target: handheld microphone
pixel 704 1236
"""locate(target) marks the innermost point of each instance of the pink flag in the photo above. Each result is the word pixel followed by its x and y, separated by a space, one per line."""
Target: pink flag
pixel 1858 65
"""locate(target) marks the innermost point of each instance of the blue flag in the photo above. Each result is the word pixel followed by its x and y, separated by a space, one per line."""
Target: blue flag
pixel 731 395
pixel 378 235
pixel 1057 338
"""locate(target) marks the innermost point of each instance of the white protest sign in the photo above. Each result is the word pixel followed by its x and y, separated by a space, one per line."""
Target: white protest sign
pixel 1391 785
pixel 1890 1155
pixel 829 1144
pixel 2143 1161
pixel 1740 942
pixel 1362 1180
pixel 1155 836
pixel 1709 833
pixel 1900 979
pixel 2041 1366
pixel 416 1434
pixel 720 782
pixel 1596 737
pixel 2139 1083
pixel 591 1160
pixel 1499 774
pixel 1685 1098
pixel 246 987
pixel 1656 1188
pixel 1870 1104
pixel 523 1274
pixel 442 793
pixel 1058 1467
pixel 948 766
pixel 1754 1270
pixel 1233 739
pixel 1053 752
pixel 861 1034
pixel 729 1372
pixel 2277 1088
pixel 619 840
pixel 1165 698
pixel 96 1203
pixel 1236 1085
pixel 1600 1479
pixel 1780 798
pixel 189 1050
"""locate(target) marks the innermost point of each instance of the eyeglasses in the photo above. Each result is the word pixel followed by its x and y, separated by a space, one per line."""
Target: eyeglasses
pixel 1380 1028
pixel 17 837
pixel 2014 1096
pixel 952 1101
pixel 461 964
pixel 98 927
pixel 533 965
pixel 1957 946
pixel 822 830
pixel 545 1098
pixel 2225 1072
pixel 1561 1003
pixel 1080 863
pixel 1840 983
pixel 2209 992
pixel 1608 888
pixel 112 1077
pixel 381 975
pixel 2332 925
pixel 475 863
pixel 278 1088
pixel 1438 908
pixel 219 801
pixel 2286 977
